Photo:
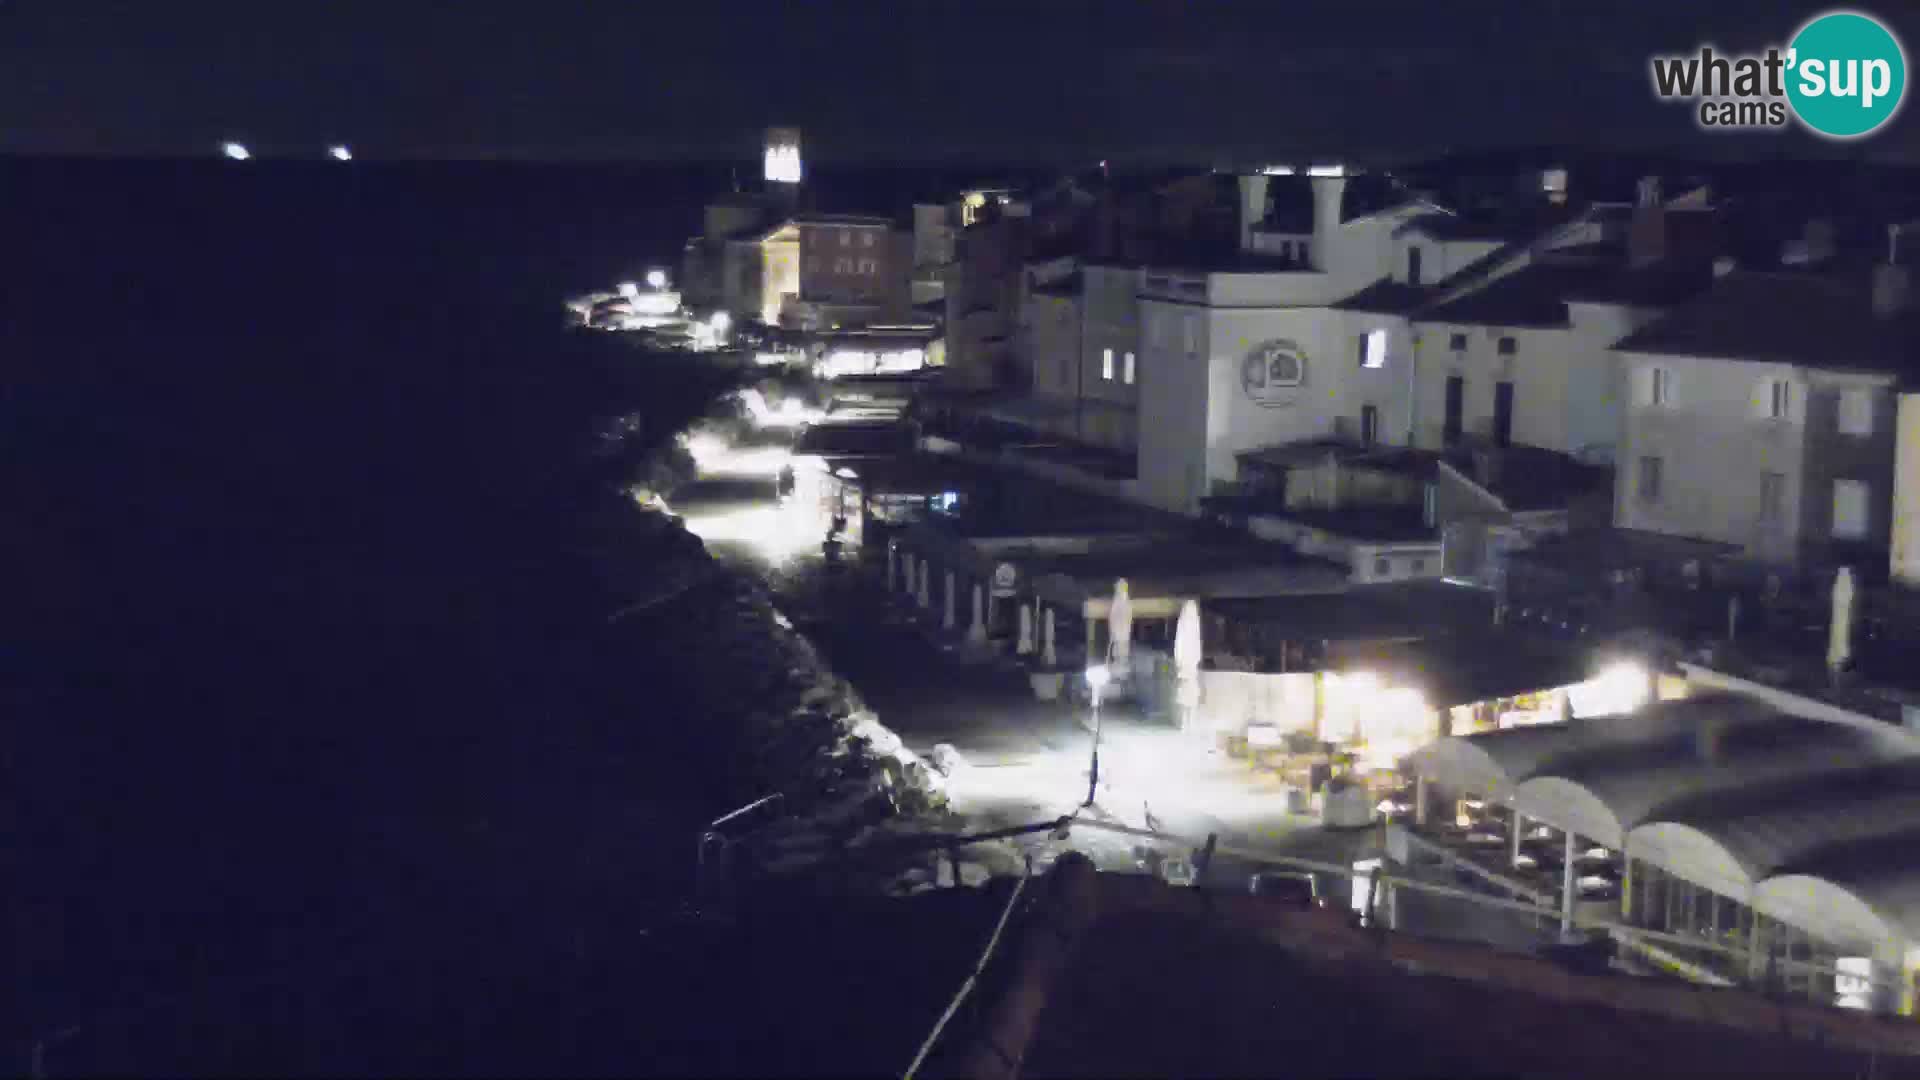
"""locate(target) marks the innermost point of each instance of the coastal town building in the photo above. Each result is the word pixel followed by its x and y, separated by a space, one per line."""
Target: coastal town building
pixel 1762 415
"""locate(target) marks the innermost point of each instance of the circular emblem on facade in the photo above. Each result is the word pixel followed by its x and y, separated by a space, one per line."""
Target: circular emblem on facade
pixel 1273 374
pixel 1004 578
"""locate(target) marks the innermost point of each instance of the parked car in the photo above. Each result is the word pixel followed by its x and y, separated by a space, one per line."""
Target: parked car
pixel 1296 888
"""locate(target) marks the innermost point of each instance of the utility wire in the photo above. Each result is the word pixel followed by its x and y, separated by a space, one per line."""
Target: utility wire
pixel 966 987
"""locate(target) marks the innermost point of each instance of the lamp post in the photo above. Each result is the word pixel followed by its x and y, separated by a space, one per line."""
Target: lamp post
pixel 1097 677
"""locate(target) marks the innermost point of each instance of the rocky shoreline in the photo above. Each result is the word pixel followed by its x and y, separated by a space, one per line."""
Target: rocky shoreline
pixel 860 811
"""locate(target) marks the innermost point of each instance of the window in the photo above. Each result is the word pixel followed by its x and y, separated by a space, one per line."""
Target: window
pixel 869 266
pixel 1193 334
pixel 1457 342
pixel 1418 566
pixel 1106 364
pixel 1849 510
pixel 1413 265
pixel 1373 349
pixel 1503 414
pixel 846 238
pixel 1430 505
pixel 1776 397
pixel 1369 425
pixel 1659 387
pixel 1856 412
pixel 1456 409
pixel 1127 372
pixel 866 239
pixel 1773 493
pixel 1382 567
pixel 1649 485
pixel 1508 347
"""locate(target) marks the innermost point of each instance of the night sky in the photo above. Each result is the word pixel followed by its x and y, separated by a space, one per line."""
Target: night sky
pixel 900 80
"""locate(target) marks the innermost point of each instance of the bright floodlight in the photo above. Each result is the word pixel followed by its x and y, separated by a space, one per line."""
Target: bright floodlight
pixel 656 279
pixel 720 321
pixel 1098 676
pixel 340 153
pixel 235 151
pixel 629 290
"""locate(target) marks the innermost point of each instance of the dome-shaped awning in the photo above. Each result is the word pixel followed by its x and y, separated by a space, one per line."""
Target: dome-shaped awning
pixel 1873 904
pixel 1603 795
pixel 1729 841
pixel 1492 763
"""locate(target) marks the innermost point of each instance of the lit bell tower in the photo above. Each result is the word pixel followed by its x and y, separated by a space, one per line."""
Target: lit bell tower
pixel 783 172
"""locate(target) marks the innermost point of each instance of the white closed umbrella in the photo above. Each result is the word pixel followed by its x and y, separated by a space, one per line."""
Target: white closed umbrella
pixel 1119 626
pixel 1186 660
pixel 1024 647
pixel 1047 655
pixel 977 629
pixel 1840 634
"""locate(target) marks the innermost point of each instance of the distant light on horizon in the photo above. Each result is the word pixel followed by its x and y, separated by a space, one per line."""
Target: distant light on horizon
pixel 340 153
pixel 235 151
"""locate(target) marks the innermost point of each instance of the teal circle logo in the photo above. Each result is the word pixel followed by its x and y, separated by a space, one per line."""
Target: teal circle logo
pixel 1846 74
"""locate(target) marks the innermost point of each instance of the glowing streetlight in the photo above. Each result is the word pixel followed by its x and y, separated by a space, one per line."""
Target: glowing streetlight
pixel 1097 678
pixel 720 322
pixel 656 279
pixel 339 153
pixel 235 151
pixel 629 290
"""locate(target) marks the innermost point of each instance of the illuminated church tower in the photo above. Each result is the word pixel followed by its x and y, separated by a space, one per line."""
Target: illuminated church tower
pixel 783 164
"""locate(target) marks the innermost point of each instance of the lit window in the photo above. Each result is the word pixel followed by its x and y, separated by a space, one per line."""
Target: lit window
pixel 1127 374
pixel 1373 349
pixel 1457 342
pixel 1508 347
pixel 1106 364
pixel 866 239
pixel 1649 485
pixel 1849 510
pixel 1856 412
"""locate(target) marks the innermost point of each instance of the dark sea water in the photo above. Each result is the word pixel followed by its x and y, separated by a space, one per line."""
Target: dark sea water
pixel 310 721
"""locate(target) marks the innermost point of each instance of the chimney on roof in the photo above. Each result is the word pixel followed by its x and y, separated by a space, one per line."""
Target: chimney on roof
pixel 1329 195
pixel 1253 207
pixel 1892 280
pixel 1647 234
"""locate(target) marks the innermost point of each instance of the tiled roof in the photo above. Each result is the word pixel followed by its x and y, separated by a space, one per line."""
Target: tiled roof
pixel 1819 320
pixel 1537 295
pixel 1386 297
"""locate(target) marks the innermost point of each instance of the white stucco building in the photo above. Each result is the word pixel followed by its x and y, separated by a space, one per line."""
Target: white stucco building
pixel 1250 352
pixel 1763 414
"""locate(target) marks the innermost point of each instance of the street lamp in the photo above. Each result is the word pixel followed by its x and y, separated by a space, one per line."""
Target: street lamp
pixel 656 279
pixel 1097 677
pixel 339 153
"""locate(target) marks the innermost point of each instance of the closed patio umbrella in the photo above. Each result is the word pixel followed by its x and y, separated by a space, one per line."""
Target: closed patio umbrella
pixel 1119 625
pixel 1840 634
pixel 1024 646
pixel 1186 661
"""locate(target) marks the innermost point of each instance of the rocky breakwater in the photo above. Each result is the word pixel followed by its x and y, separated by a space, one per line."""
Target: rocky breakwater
pixel 858 810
